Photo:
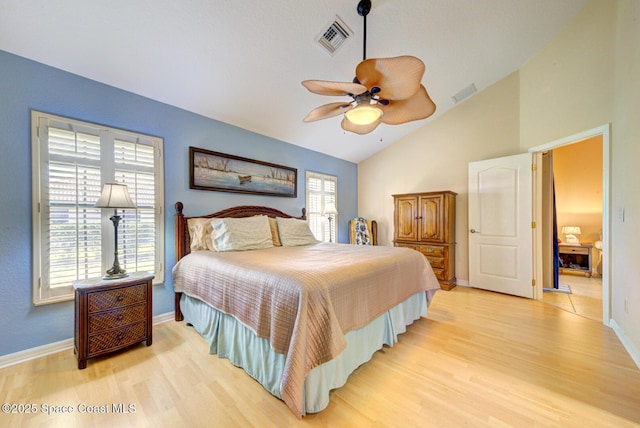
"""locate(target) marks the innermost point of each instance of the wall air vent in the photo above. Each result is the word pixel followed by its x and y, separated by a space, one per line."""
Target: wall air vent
pixel 334 34
pixel 465 93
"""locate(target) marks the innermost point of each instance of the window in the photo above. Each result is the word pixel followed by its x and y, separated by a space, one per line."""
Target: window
pixel 72 240
pixel 322 190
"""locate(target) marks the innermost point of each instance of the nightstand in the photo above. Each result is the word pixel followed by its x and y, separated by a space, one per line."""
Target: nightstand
pixel 575 258
pixel 111 315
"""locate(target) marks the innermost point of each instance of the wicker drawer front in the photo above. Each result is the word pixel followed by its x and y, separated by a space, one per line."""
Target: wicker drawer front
pixel 436 262
pixel 117 298
pixel 117 318
pixel 114 339
pixel 431 251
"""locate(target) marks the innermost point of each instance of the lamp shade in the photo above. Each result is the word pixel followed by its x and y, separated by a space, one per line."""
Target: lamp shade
pixel 329 209
pixel 115 195
pixel 571 230
pixel 363 114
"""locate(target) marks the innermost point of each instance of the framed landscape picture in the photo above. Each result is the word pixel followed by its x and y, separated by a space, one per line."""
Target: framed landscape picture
pixel 221 172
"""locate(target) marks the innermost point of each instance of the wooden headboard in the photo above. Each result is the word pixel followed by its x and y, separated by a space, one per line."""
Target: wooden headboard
pixel 183 240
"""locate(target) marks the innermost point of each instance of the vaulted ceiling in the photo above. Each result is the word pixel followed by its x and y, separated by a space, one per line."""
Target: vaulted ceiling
pixel 241 62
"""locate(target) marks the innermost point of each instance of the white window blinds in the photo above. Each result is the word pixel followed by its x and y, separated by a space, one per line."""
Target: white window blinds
pixel 135 168
pixel 322 189
pixel 72 239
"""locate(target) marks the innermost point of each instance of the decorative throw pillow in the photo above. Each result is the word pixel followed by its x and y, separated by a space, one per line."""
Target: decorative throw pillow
pixel 274 232
pixel 200 232
pixel 294 232
pixel 240 234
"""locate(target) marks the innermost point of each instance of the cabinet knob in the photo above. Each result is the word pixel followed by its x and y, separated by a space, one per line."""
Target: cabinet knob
pixel 474 231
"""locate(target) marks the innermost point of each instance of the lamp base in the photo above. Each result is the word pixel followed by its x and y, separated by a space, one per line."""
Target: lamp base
pixel 116 272
pixel 115 276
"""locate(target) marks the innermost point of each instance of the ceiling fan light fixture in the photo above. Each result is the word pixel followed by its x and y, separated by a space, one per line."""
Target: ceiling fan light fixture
pixel 364 114
pixel 389 87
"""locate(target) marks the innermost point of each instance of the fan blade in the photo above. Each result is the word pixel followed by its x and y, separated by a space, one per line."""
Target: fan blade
pixel 419 106
pixel 347 125
pixel 327 111
pixel 325 87
pixel 398 78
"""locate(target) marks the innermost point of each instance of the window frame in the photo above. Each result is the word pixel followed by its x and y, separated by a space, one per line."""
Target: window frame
pixel 41 122
pixel 332 234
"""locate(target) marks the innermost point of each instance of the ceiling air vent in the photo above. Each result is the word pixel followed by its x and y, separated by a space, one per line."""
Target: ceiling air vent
pixel 334 35
pixel 464 93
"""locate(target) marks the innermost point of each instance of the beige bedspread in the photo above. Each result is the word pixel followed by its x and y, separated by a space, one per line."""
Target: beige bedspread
pixel 305 299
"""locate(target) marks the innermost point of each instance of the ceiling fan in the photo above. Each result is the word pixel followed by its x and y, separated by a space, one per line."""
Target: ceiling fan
pixel 385 90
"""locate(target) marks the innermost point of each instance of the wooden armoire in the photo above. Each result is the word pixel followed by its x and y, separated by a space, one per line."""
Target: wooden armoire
pixel 426 222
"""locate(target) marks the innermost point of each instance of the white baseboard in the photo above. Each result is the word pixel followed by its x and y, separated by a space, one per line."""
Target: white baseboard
pixel 33 353
pixel 462 282
pixel 159 319
pixel 633 352
pixel 63 345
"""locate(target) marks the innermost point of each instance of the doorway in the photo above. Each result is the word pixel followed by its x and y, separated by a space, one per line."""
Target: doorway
pixel 572 182
pixel 542 239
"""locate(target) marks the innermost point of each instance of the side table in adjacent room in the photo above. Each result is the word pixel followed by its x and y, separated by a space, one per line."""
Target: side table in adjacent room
pixel 575 258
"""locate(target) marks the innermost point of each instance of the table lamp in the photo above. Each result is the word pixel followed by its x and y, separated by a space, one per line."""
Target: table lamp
pixel 115 195
pixel 330 210
pixel 570 233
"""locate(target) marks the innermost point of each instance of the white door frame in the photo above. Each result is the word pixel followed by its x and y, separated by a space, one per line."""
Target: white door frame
pixel 605 132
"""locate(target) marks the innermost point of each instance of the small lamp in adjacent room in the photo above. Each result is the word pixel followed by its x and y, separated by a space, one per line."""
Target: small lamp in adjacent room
pixel 330 210
pixel 115 195
pixel 570 233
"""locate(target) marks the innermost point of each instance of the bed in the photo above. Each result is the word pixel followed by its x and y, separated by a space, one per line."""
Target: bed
pixel 296 314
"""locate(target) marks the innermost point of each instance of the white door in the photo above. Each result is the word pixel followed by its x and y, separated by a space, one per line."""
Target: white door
pixel 500 225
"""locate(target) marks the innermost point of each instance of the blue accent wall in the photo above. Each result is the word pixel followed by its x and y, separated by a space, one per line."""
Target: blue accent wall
pixel 26 85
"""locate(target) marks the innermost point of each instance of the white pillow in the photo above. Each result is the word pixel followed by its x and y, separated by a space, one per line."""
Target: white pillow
pixel 294 232
pixel 200 233
pixel 239 234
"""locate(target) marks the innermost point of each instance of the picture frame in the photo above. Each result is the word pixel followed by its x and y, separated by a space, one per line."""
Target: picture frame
pixel 221 172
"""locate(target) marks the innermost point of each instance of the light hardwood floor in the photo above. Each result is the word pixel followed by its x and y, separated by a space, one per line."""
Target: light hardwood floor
pixel 585 298
pixel 480 359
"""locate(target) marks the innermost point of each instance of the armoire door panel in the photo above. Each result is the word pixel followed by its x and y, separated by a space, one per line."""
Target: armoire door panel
pixel 431 219
pixel 406 226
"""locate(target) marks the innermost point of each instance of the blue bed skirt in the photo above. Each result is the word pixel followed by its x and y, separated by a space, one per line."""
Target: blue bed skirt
pixel 230 339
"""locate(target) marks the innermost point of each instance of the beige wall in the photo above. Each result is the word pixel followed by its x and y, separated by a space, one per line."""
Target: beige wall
pixel 625 235
pixel 567 87
pixel 577 170
pixel 586 77
pixel 435 157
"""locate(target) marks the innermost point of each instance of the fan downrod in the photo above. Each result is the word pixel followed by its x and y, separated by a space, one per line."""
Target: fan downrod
pixel 364 7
